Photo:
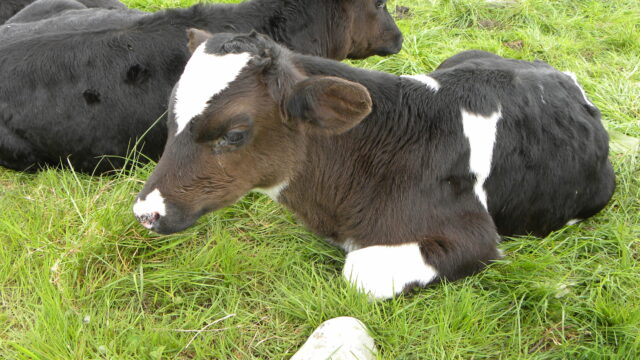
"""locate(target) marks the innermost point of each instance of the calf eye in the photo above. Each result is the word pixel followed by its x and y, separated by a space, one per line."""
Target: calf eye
pixel 231 141
pixel 225 136
pixel 235 137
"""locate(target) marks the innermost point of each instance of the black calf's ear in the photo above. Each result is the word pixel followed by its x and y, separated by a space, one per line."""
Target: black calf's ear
pixel 197 37
pixel 329 105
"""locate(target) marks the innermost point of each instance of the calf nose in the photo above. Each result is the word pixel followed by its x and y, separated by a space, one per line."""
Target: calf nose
pixel 149 209
pixel 148 220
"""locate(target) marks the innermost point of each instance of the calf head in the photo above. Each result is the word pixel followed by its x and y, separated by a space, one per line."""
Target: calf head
pixel 238 120
pixel 371 29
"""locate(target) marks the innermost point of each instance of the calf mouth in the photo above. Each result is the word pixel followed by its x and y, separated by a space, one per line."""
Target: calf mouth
pixel 156 214
pixel 395 48
pixel 390 48
pixel 166 225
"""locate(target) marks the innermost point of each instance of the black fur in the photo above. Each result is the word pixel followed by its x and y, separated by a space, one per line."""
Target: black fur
pixel 30 10
pixel 8 8
pixel 403 174
pixel 83 83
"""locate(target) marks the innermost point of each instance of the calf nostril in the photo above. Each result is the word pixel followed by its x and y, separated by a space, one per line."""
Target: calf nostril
pixel 149 219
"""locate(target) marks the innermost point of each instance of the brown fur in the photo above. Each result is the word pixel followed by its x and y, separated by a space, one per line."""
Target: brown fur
pixel 345 182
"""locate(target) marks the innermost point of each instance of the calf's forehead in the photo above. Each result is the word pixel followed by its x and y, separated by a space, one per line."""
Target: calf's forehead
pixel 204 76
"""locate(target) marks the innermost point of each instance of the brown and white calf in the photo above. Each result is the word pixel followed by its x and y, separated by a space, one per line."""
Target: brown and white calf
pixel 415 177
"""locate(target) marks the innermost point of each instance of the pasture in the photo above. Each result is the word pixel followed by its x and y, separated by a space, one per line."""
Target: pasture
pixel 81 279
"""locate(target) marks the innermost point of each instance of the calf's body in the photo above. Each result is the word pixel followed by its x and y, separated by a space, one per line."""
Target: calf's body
pixel 523 129
pixel 415 177
pixel 78 84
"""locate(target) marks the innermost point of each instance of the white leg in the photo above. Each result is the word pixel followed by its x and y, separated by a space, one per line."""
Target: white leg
pixel 384 271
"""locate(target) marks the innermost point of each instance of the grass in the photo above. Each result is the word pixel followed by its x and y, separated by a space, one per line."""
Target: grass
pixel 80 279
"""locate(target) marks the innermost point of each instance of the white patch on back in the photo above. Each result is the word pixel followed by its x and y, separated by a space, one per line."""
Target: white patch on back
pixel 431 83
pixel 575 80
pixel 383 271
pixel 274 191
pixel 481 133
pixel 204 76
pixel 153 202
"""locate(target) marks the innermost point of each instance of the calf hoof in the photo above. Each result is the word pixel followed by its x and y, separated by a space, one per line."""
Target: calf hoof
pixel 340 338
pixel 385 271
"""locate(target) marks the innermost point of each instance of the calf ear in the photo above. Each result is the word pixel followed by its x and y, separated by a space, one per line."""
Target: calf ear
pixel 329 105
pixel 197 37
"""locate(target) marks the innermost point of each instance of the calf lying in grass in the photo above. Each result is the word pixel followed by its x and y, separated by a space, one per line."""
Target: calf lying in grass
pixel 415 177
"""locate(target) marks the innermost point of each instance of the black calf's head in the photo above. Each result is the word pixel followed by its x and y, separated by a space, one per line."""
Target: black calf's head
pixel 238 120
pixel 371 29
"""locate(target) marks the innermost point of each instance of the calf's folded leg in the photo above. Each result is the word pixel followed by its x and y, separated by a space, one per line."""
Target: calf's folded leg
pixel 458 249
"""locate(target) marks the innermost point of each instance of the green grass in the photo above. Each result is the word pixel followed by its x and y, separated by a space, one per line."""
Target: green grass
pixel 80 279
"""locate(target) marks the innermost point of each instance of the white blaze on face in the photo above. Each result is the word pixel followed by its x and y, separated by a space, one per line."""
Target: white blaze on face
pixel 152 203
pixel 204 76
pixel 384 271
pixel 481 133
pixel 431 83
pixel 575 81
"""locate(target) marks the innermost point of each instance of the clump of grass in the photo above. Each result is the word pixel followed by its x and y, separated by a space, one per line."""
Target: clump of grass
pixel 80 279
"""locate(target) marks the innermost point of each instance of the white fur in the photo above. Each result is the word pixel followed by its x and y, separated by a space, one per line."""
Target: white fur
pixel 383 271
pixel 481 133
pixel 573 222
pixel 575 80
pixel 274 191
pixel 542 94
pixel 349 245
pixel 431 83
pixel 204 76
pixel 153 202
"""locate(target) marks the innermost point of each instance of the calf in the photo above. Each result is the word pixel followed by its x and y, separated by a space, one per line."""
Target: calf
pixel 84 83
pixel 415 177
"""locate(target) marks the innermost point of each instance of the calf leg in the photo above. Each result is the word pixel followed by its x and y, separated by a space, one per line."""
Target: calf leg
pixel 15 152
pixel 601 192
pixel 384 271
pixel 457 249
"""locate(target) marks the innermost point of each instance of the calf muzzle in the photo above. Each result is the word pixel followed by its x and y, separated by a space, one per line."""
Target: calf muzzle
pixel 157 214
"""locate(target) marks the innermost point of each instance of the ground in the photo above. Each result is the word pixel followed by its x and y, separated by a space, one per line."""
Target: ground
pixel 81 279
